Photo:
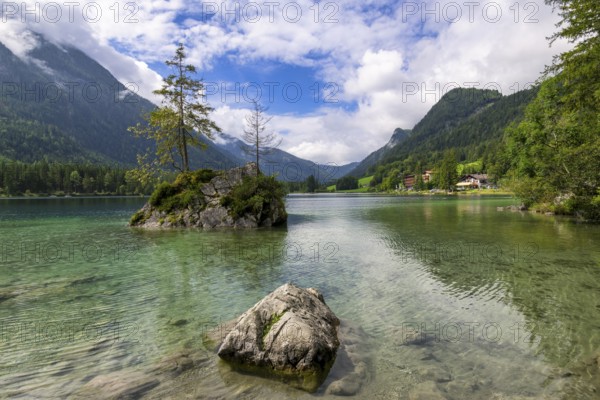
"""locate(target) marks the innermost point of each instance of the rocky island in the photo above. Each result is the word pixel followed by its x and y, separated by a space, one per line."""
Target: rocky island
pixel 236 198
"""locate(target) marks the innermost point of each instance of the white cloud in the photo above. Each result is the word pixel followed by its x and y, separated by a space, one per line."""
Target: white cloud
pixel 93 38
pixel 230 120
pixel 329 135
pixel 393 68
pixel 378 72
pixel 389 63
pixel 17 39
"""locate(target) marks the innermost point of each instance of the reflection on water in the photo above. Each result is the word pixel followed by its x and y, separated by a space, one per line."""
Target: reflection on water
pixel 458 300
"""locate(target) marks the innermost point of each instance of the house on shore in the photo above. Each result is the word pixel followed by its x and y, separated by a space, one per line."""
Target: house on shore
pixel 472 181
pixel 409 181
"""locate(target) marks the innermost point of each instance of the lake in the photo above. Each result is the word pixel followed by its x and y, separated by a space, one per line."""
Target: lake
pixel 472 302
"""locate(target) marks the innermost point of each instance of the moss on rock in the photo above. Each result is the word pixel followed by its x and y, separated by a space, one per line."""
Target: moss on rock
pixel 274 319
pixel 253 194
pixel 207 198
pixel 138 218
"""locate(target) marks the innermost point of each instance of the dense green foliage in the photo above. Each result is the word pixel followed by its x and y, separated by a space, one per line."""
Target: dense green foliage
pixel 346 183
pixel 41 177
pixel 446 175
pixel 554 153
pixel 183 192
pixel 253 194
pixel 311 184
pixel 29 140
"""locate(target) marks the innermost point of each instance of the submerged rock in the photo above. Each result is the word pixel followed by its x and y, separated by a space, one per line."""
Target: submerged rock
pixel 426 391
pixel 582 379
pixel 135 382
pixel 290 335
pixel 7 295
pixel 350 372
pixel 121 385
pixel 202 199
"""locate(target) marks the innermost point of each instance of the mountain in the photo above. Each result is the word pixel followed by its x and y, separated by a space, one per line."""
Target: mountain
pixel 59 95
pixel 399 136
pixel 58 104
pixel 285 165
pixel 472 121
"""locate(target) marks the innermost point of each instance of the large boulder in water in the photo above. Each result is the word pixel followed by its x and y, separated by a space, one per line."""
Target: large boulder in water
pixel 291 334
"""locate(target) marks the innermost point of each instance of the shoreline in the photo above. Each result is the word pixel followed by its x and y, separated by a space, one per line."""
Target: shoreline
pixel 412 194
pixel 76 196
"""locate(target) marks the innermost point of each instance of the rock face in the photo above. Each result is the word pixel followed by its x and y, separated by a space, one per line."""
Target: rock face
pixel 291 335
pixel 205 209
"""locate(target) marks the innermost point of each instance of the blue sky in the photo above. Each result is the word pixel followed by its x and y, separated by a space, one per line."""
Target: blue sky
pixel 342 75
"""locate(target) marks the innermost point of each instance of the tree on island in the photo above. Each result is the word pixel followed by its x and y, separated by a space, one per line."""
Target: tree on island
pixel 179 122
pixel 248 199
pixel 260 142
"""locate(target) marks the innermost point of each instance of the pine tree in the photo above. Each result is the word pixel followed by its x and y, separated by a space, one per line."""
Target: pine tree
pixel 181 120
pixel 311 184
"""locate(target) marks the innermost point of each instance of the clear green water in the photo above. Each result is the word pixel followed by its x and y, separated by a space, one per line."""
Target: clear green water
pixel 486 304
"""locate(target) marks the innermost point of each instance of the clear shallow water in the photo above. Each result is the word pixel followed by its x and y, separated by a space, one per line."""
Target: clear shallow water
pixel 484 304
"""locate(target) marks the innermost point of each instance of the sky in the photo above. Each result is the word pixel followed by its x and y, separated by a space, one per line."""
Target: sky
pixel 337 76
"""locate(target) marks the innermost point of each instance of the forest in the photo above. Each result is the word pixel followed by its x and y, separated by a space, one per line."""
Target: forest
pixel 54 178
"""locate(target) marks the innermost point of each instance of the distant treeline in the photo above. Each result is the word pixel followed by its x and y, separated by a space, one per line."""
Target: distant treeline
pixel 53 178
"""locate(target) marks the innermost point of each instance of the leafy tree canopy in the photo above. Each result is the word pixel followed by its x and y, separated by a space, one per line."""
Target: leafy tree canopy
pixel 555 150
